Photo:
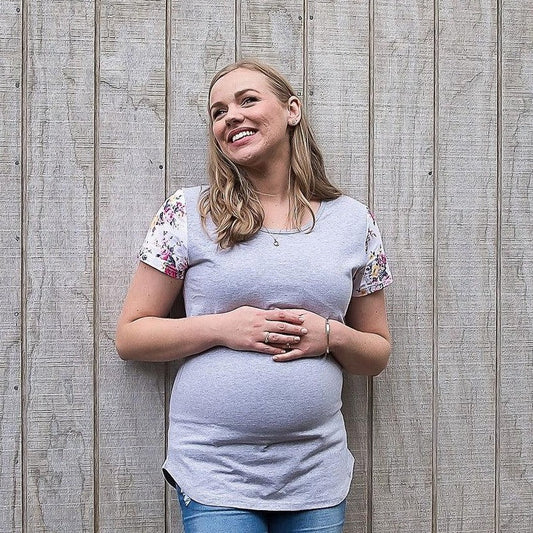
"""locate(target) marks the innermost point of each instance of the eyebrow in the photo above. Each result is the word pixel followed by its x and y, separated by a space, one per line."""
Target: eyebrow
pixel 236 95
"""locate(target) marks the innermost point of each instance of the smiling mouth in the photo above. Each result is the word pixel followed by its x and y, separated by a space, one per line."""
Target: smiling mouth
pixel 241 135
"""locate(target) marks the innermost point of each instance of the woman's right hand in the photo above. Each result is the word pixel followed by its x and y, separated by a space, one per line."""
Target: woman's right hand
pixel 272 331
pixel 145 333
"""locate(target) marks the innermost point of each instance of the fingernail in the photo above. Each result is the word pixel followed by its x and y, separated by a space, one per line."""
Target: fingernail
pixel 276 358
pixel 304 331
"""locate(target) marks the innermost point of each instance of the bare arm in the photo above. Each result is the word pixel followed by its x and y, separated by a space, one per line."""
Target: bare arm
pixel 362 345
pixel 144 333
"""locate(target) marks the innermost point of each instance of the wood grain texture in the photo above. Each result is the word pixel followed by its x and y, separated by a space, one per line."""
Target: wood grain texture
pixel 516 390
pixel 151 138
pixel 10 266
pixel 338 86
pixel 403 200
pixel 59 240
pixel 273 32
pixel 338 42
pixel 466 265
pixel 209 36
pixel 131 155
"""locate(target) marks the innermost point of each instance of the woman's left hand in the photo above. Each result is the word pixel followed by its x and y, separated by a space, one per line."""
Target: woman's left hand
pixel 312 344
pixel 361 344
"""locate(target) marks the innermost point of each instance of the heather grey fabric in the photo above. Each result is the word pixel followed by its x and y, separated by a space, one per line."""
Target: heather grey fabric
pixel 246 431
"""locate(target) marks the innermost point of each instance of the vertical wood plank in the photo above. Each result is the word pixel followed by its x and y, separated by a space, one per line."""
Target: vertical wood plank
pixel 58 458
pixel 338 85
pixel 202 42
pixel 272 31
pixel 403 199
pixel 467 230
pixel 10 265
pixel 131 155
pixel 516 370
pixel 132 182
pixel 337 101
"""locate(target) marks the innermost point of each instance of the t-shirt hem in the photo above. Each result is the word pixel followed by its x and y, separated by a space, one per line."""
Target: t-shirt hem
pixel 252 504
pixel 364 291
pixel 161 266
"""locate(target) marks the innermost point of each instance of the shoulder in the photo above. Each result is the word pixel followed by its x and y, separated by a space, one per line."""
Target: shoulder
pixel 349 208
pixel 353 203
pixel 187 193
pixel 183 198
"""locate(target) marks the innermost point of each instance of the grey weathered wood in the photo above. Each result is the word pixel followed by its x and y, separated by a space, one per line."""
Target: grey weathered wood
pixel 10 266
pixel 403 200
pixel 58 395
pixel 131 156
pixel 273 32
pixel 338 85
pixel 83 415
pixel 466 268
pixel 209 36
pixel 338 42
pixel 516 396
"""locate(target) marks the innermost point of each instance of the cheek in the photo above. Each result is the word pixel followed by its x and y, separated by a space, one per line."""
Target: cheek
pixel 218 132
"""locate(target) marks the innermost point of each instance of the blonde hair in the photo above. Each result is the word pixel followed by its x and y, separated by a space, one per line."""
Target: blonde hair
pixel 232 202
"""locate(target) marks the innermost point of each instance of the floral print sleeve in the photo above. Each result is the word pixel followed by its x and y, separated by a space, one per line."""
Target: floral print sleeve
pixel 165 246
pixel 375 275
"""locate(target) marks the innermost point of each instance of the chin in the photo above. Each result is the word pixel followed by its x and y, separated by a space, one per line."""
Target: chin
pixel 244 160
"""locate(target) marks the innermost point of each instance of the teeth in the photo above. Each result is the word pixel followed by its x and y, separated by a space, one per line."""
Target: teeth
pixel 240 135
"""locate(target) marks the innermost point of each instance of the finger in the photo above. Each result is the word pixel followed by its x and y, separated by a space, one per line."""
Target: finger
pixel 289 355
pixel 285 315
pixel 285 328
pixel 278 338
pixel 268 349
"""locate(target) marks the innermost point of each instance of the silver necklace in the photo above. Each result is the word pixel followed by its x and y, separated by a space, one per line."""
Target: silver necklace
pixel 275 241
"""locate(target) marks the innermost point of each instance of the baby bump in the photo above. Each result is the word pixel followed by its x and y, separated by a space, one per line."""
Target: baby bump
pixel 248 394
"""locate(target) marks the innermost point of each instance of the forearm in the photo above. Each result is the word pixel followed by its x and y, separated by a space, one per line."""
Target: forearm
pixel 358 352
pixel 166 339
pixel 150 338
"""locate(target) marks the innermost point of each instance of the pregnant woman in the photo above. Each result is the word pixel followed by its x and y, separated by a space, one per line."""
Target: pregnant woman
pixel 282 278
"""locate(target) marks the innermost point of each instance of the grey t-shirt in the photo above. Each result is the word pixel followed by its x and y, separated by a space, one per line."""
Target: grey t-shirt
pixel 246 431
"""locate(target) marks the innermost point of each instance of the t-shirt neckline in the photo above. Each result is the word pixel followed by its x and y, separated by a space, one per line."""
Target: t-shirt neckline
pixel 303 229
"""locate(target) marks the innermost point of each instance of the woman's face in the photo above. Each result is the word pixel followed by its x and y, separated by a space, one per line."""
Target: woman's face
pixel 249 123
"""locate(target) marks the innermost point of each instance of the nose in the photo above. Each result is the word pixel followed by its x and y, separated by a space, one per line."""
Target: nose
pixel 233 115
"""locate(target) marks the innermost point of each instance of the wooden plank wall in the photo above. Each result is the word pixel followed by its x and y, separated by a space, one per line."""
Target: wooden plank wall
pixel 424 110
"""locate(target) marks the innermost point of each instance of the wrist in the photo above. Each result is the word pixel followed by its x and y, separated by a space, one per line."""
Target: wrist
pixel 219 327
pixel 327 332
pixel 336 335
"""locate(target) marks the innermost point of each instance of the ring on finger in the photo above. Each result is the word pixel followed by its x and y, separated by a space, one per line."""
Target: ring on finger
pixel 267 335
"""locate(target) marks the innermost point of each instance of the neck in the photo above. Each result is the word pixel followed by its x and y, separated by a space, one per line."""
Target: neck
pixel 271 181
pixel 265 194
pixel 270 188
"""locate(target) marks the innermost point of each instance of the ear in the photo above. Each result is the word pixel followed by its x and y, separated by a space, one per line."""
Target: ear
pixel 295 111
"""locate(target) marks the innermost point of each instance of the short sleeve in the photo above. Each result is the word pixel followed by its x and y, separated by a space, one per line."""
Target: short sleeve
pixel 165 246
pixel 375 275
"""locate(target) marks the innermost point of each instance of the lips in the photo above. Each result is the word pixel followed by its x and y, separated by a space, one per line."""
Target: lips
pixel 241 133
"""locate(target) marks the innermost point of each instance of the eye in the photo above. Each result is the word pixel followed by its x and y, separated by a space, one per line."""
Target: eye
pixel 216 113
pixel 249 100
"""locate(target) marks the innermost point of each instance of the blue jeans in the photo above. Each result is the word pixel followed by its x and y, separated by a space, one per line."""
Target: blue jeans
pixel 199 518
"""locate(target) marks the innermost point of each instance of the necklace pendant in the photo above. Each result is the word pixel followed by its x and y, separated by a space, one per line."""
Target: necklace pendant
pixel 276 243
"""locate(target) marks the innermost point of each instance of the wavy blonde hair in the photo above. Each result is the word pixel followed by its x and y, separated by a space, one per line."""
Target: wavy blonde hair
pixel 232 202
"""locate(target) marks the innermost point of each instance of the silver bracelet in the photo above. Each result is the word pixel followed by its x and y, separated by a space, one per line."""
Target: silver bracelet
pixel 327 328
